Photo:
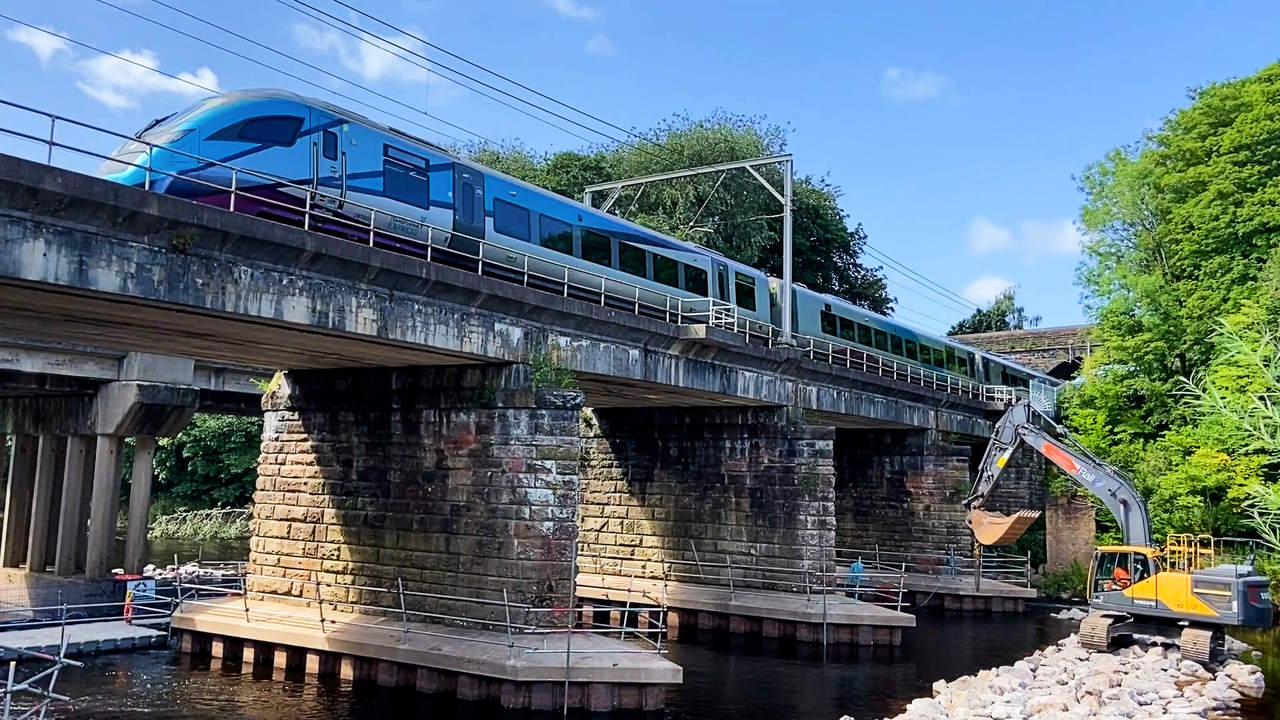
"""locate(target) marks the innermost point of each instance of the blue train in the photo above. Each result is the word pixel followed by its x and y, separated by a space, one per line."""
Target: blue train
pixel 378 185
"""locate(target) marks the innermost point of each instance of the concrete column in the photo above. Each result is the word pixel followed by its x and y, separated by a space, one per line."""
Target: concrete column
pixel 17 501
pixel 135 546
pixel 55 502
pixel 104 506
pixel 86 494
pixel 42 502
pixel 71 511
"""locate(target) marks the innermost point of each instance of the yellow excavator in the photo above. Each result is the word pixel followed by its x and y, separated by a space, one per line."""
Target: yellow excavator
pixel 1136 587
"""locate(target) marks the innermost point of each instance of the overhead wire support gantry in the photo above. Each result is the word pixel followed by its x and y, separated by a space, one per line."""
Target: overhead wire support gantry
pixel 615 188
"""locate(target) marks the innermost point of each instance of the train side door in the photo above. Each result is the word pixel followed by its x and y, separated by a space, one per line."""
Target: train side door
pixel 468 210
pixel 328 159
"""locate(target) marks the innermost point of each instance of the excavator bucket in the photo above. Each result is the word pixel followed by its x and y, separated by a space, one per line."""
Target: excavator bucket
pixel 994 528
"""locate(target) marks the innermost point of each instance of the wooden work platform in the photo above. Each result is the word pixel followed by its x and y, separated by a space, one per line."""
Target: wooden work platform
pixel 770 613
pixel 961 593
pixel 523 671
pixel 82 638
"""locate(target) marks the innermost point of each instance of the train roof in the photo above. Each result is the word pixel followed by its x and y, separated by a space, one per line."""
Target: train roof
pixel 362 119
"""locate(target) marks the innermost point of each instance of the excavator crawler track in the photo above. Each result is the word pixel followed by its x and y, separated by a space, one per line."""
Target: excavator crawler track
pixel 1202 645
pixel 1097 628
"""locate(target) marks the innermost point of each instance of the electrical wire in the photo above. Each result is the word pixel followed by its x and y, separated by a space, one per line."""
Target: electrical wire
pixel 288 74
pixel 438 65
pixel 499 75
pixel 940 289
pixel 431 66
pixel 100 51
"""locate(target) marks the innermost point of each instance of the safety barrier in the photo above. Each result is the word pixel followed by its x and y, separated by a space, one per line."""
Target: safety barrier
pixel 879 582
pixel 1010 568
pixel 310 207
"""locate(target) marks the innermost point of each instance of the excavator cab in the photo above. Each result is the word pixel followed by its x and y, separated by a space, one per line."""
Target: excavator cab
pixel 1119 568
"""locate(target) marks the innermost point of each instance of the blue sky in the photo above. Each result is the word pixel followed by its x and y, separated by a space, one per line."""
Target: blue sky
pixel 955 129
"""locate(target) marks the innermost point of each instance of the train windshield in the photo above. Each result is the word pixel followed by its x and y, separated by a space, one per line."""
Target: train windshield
pixel 165 122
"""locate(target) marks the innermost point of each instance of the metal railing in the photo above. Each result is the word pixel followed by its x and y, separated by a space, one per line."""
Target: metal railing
pixel 880 583
pixel 310 207
pixel 1005 567
pixel 521 627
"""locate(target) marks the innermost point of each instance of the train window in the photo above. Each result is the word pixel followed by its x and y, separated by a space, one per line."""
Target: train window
pixel 882 340
pixel 722 281
pixel 895 345
pixel 279 130
pixel 864 335
pixel 846 329
pixel 405 184
pixel 939 359
pixel 951 360
pixel 666 270
pixel 329 144
pixel 695 280
pixel 555 235
pixel 828 323
pixel 745 287
pixel 912 352
pixel 631 259
pixel 510 219
pixel 597 248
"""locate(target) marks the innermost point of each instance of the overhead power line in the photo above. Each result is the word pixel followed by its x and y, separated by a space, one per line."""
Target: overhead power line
pixel 432 65
pixel 122 58
pixel 383 40
pixel 936 287
pixel 288 74
pixel 499 75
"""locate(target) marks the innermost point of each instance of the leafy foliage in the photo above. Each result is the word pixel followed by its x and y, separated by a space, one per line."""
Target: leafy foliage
pixel 1004 313
pixel 209 524
pixel 1066 583
pixel 212 463
pixel 546 370
pixel 730 212
pixel 1182 275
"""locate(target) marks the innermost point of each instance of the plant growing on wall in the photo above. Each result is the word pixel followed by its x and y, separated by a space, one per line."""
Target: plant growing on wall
pixel 547 371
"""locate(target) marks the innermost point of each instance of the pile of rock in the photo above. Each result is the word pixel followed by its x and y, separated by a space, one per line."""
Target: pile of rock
pixel 1146 680
pixel 188 573
pixel 1072 613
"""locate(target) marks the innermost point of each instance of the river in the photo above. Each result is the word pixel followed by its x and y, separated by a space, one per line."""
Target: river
pixel 726 678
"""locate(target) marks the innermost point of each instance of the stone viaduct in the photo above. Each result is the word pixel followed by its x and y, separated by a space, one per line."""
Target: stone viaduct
pixel 1057 351
pixel 410 435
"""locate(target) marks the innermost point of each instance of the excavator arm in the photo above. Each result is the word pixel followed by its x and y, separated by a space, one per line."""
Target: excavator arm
pixel 1017 427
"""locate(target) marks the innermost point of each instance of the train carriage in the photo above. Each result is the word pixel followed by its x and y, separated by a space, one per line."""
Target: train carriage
pixel 313 164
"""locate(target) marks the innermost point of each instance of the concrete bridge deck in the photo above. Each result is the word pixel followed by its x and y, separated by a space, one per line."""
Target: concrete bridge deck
pixel 120 268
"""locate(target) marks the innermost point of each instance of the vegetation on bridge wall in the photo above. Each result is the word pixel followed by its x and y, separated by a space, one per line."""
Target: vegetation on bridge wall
pixel 1182 275
pixel 740 219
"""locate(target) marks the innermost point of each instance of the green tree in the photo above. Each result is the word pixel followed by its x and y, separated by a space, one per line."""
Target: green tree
pixel 213 462
pixel 1004 313
pixel 729 213
pixel 1179 274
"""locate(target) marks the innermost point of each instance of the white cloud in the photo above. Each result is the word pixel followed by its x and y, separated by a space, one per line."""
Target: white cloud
pixel 600 44
pixel 1051 237
pixel 41 42
pixel 983 290
pixel 371 62
pixel 119 83
pixel 379 61
pixel 573 10
pixel 985 236
pixel 907 85
pixel 1034 238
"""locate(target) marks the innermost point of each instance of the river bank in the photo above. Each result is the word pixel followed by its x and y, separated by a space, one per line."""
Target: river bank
pixel 1146 680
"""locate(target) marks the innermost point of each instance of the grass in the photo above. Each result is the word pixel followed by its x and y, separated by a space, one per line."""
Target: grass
pixel 1065 584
